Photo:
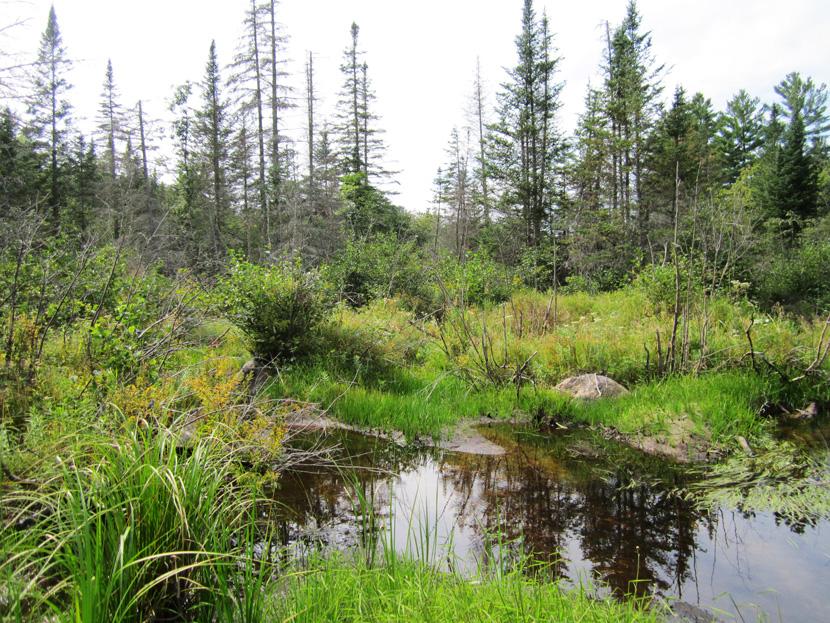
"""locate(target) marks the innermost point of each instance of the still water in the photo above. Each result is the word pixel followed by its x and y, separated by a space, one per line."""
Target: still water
pixel 591 509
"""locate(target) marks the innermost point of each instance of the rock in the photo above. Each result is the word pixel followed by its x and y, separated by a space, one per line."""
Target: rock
pixel 684 612
pixel 591 386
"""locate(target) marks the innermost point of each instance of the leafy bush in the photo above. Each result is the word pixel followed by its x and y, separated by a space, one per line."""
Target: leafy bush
pixel 383 267
pixel 797 280
pixel 280 308
pixel 479 280
pixel 657 282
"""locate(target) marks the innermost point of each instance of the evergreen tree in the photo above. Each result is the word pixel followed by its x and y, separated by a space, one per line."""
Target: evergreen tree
pixel 212 135
pixel 740 134
pixel 798 179
pixel 85 184
pixel 360 144
pixel 17 166
pixel 110 127
pixel 248 83
pixel 632 87
pixel 525 146
pixel 49 112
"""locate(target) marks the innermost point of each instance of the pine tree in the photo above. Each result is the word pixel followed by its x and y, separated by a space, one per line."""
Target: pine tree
pixel 49 111
pixel 740 134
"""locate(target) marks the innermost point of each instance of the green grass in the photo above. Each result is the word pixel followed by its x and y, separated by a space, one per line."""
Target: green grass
pixel 131 529
pixel 336 590
pixel 715 406
pixel 411 403
pixel 385 374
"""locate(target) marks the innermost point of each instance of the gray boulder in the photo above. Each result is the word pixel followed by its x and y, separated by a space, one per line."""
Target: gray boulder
pixel 591 386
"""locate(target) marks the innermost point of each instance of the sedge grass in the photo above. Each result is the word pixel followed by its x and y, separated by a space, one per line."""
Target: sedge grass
pixel 143 531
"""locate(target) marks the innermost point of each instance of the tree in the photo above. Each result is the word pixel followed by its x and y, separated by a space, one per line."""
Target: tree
pixel 213 135
pixel 49 111
pixel 798 177
pixel 85 183
pixel 482 192
pixel 247 80
pixel 17 166
pixel 455 190
pixel 740 134
pixel 631 89
pixel 525 146
pixel 110 126
pixel 278 101
pixel 360 143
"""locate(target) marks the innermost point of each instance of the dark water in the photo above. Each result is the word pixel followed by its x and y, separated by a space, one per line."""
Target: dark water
pixel 590 508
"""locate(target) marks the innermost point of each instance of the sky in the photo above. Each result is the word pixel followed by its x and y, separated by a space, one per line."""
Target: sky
pixel 422 55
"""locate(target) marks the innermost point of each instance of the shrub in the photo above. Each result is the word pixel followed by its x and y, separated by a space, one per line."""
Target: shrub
pixel 280 308
pixel 798 280
pixel 382 267
pixel 479 280
pixel 657 282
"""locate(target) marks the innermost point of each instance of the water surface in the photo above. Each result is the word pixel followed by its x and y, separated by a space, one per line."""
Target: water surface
pixel 590 508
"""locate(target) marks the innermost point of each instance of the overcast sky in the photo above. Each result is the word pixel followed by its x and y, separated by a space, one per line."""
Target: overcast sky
pixel 422 54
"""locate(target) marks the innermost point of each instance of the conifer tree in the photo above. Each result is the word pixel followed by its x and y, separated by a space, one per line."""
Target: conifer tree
pixel 212 134
pixel 110 127
pixel 49 112
pixel 740 134
pixel 525 145
pixel 248 81
pixel 359 138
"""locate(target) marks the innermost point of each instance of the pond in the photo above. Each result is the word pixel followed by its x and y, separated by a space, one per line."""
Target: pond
pixel 589 508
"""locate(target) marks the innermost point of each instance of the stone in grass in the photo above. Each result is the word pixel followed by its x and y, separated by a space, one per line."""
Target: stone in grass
pixel 591 386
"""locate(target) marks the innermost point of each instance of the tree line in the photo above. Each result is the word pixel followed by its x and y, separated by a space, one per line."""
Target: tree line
pixel 647 178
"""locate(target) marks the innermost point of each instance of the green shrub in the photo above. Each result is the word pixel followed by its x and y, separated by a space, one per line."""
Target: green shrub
pixel 479 280
pixel 382 267
pixel 280 308
pixel 797 280
pixel 658 283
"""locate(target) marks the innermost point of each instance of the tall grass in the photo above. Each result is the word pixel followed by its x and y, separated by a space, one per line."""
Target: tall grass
pixel 339 590
pixel 146 531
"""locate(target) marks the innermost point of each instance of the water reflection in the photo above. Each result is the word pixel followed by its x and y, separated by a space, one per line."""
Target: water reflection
pixel 588 507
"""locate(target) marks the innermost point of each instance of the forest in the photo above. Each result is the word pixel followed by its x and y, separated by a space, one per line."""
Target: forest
pixel 215 379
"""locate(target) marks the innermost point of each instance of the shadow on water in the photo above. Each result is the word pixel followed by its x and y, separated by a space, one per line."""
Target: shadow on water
pixel 587 507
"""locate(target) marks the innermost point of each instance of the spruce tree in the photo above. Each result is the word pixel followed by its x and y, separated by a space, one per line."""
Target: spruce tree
pixel 212 135
pixel 49 112
pixel 110 128
pixel 525 145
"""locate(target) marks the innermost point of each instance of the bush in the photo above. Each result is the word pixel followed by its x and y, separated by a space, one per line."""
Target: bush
pixel 479 280
pixel 383 267
pixel 797 280
pixel 280 308
pixel 657 282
